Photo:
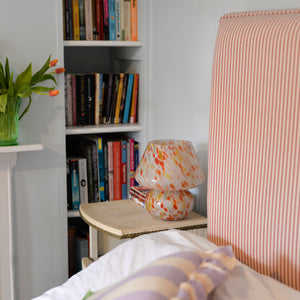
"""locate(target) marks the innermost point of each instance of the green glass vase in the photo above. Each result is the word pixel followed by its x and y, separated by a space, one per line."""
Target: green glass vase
pixel 9 122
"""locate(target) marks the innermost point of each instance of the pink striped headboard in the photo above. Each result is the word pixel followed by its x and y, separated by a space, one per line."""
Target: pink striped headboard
pixel 254 143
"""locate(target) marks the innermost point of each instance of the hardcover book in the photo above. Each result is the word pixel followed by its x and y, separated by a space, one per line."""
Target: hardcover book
pixel 128 98
pixel 112 19
pixel 75 11
pixel 88 10
pixel 81 20
pixel 134 34
pixel 74 174
pixel 134 100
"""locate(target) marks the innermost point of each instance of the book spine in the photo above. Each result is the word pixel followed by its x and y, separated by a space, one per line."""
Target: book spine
pixel 112 19
pixel 69 100
pixel 101 169
pixel 114 97
pixel 101 94
pixel 133 110
pixel 105 19
pixel 134 34
pixel 110 170
pixel 136 158
pixel 131 149
pixel 80 100
pixel 74 101
pixel 67 21
pixel 97 97
pixel 122 20
pixel 102 36
pixel 90 97
pixel 119 98
pixel 98 19
pixel 106 172
pixel 81 20
pixel 127 19
pixel 75 8
pixel 123 98
pixel 83 190
pixel 94 20
pixel 128 98
pixel 66 100
pixel 75 183
pixel 69 186
pixel 117 170
pixel 108 98
pixel 88 9
pixel 124 169
pixel 118 20
pixel 95 169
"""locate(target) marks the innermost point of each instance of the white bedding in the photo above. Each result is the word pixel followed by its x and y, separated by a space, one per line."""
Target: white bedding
pixel 241 283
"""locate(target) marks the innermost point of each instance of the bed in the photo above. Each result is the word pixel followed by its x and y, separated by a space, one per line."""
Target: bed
pixel 253 245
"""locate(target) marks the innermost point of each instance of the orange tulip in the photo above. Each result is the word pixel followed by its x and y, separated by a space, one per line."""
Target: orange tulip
pixel 59 70
pixel 53 93
pixel 53 63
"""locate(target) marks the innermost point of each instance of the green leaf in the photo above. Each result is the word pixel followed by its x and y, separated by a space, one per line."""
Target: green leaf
pixel 37 76
pixel 2 77
pixel 10 91
pixel 26 93
pixel 3 101
pixel 42 89
pixel 7 72
pixel 47 77
pixel 22 82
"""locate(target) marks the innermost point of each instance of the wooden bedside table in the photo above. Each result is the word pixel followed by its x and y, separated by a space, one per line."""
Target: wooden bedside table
pixel 125 219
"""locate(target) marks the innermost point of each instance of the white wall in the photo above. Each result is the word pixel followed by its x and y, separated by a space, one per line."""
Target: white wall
pixel 30 31
pixel 182 43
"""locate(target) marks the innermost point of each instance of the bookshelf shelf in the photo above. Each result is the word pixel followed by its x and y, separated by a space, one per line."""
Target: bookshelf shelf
pixel 109 128
pixel 102 44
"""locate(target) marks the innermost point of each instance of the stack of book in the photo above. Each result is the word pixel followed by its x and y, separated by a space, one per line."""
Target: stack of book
pixel 109 173
pixel 100 20
pixel 101 98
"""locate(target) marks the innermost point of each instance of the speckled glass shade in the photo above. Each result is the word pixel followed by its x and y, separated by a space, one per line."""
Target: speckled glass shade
pixel 169 168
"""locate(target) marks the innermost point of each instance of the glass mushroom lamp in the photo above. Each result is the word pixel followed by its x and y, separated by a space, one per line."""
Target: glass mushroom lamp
pixel 169 168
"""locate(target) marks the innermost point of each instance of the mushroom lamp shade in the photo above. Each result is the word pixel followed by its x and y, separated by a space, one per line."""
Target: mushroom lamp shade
pixel 169 168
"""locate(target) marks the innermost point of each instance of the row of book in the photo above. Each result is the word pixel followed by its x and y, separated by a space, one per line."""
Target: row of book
pixel 100 168
pixel 101 98
pixel 100 20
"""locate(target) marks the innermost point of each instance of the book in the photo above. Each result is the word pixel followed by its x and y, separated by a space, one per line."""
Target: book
pixel 117 170
pixel 119 99
pixel 75 15
pixel 94 20
pixel 81 20
pixel 123 98
pixel 112 19
pixel 124 169
pixel 128 98
pixel 110 160
pixel 136 157
pixel 81 105
pixel 74 174
pixel 106 172
pixel 68 22
pixel 90 98
pixel 131 162
pixel 118 20
pixel 107 97
pixel 97 97
pixel 81 250
pixel 134 33
pixel 134 99
pixel 102 36
pixel 69 186
pixel 114 97
pixel 69 100
pixel 122 20
pixel 105 20
pixel 83 181
pixel 88 11
pixel 127 20
pixel 74 100
pixel 101 96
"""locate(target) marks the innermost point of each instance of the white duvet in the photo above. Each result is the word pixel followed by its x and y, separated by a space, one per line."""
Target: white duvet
pixel 241 283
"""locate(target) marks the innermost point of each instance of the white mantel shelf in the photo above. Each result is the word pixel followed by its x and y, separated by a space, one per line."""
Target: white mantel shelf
pixel 8 159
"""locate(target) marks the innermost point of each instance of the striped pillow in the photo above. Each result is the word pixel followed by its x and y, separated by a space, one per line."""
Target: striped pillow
pixel 176 276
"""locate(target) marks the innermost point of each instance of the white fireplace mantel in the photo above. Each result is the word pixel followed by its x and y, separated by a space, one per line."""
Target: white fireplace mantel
pixel 8 159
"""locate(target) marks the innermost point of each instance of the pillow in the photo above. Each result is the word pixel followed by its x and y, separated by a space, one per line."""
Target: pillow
pixel 182 275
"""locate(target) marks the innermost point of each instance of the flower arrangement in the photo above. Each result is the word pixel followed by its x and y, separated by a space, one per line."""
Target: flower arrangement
pixel 26 83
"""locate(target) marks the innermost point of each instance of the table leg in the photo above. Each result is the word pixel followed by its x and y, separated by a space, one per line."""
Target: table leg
pixel 93 242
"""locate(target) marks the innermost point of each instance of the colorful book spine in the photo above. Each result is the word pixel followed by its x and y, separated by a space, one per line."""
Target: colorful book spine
pixel 127 19
pixel 112 19
pixel 102 36
pixel 131 162
pixel 105 19
pixel 134 101
pixel 124 169
pixel 74 183
pixel 101 170
pixel 98 18
pixel 122 20
pixel 75 11
pixel 88 10
pixel 114 97
pixel 81 20
pixel 119 99
pixel 134 33
pixel 106 171
pixel 128 98
pixel 117 170
pixel 123 98
pixel 83 188
pixel 110 170
pixel 118 20
pixel 136 158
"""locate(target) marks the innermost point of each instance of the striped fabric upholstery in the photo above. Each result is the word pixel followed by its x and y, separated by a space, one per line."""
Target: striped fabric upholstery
pixel 254 142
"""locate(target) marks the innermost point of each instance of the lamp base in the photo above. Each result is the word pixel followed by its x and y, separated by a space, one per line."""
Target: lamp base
pixel 169 205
